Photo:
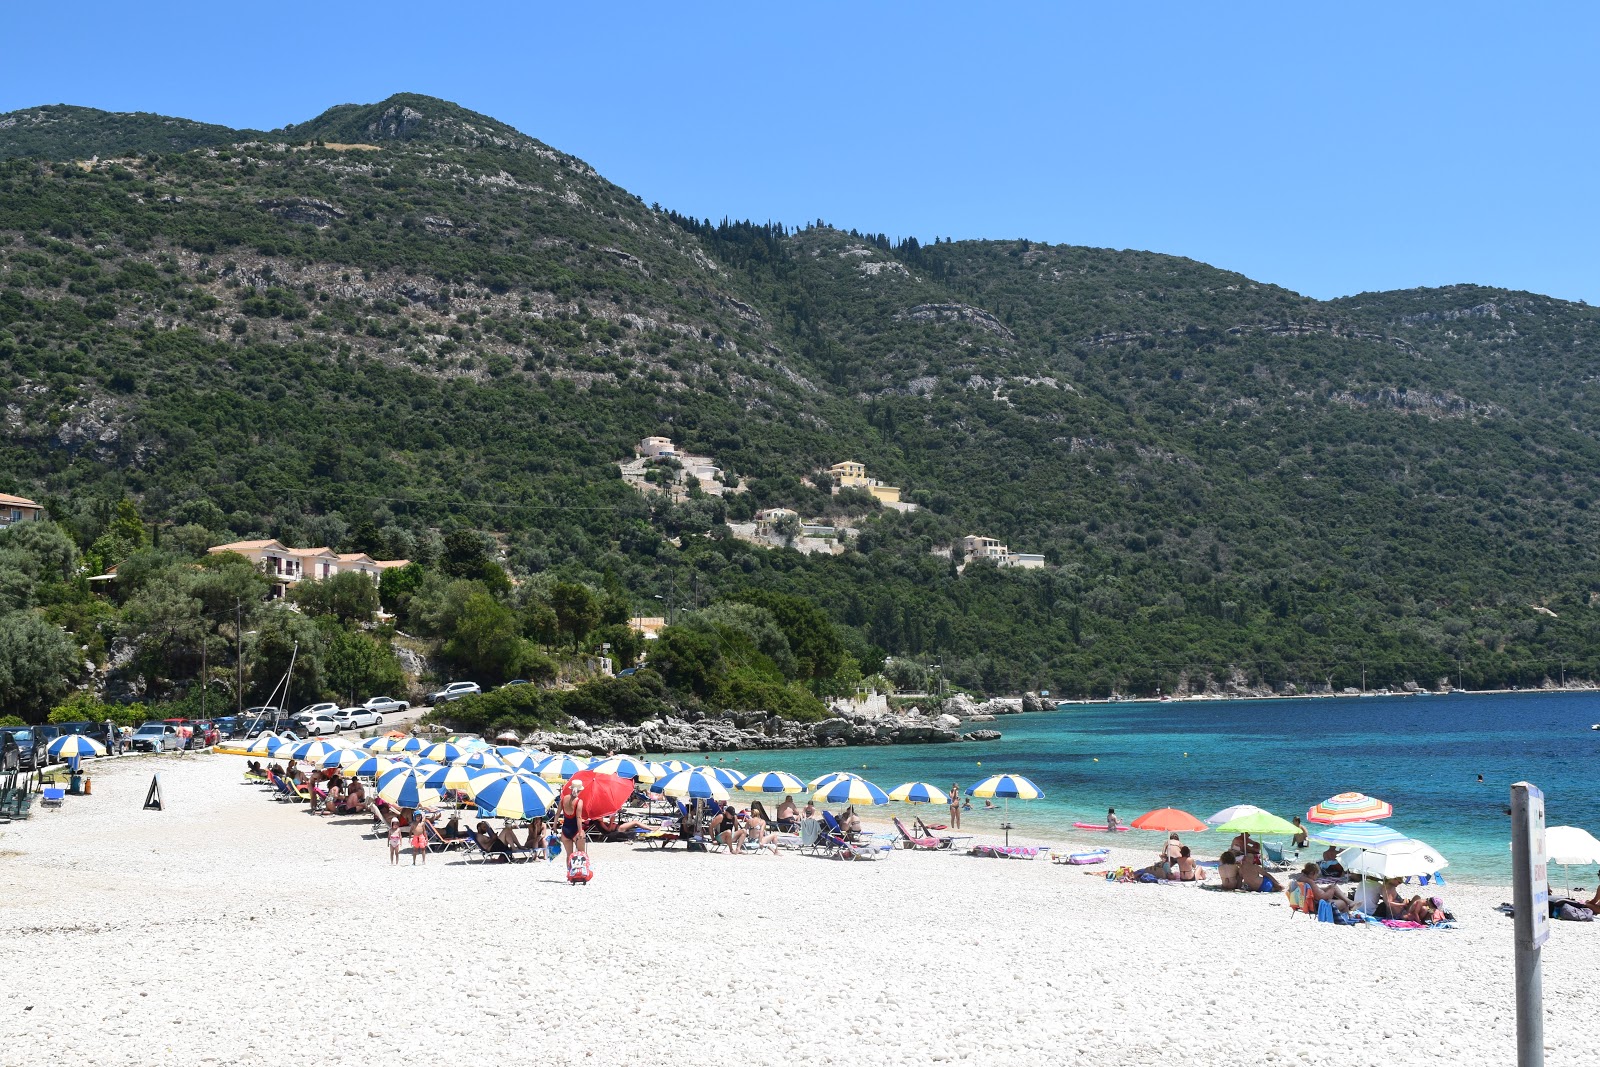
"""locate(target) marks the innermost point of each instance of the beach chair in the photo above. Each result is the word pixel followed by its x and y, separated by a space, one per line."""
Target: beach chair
pixel 437 842
pixel 52 796
pixel 946 841
pixel 281 787
pixel 926 844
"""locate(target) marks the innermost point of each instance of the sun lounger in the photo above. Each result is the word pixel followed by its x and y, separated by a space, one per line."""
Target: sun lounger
pixel 926 844
pixel 1009 852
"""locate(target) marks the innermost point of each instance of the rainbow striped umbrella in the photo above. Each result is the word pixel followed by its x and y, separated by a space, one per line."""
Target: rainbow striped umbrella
pixel 919 793
pixel 1350 807
pixel 1006 787
pixel 850 791
pixel 72 746
pixel 558 768
pixel 407 787
pixel 772 782
pixel 693 784
pixel 512 796
pixel 1356 835
pixel 626 767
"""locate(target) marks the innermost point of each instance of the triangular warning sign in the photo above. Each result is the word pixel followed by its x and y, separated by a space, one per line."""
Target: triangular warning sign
pixel 152 799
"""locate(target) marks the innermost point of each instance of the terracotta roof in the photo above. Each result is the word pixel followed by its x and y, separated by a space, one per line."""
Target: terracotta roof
pixel 249 546
pixel 355 557
pixel 323 551
pixel 387 563
pixel 17 501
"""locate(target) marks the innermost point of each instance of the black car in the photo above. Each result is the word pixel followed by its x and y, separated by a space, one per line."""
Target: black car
pixel 42 736
pixel 30 750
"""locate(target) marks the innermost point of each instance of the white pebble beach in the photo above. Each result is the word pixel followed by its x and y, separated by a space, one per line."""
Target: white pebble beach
pixel 233 929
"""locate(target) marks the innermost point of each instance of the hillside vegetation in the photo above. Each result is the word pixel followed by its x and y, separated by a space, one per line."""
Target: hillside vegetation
pixel 399 322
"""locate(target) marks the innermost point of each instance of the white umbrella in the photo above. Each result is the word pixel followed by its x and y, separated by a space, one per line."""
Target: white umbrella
pixel 1406 858
pixel 1230 814
pixel 1570 846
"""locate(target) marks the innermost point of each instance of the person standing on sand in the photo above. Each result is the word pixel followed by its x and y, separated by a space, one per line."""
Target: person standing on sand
pixel 955 806
pixel 394 842
pixel 572 823
pixel 419 842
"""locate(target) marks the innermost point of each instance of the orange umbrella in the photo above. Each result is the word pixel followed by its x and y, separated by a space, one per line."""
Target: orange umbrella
pixel 1169 819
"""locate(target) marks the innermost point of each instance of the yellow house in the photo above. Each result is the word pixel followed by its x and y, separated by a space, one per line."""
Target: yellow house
pixel 852 475
pixel 15 509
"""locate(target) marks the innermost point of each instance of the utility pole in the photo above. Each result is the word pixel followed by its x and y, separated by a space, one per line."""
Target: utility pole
pixel 203 680
pixel 238 638
pixel 1530 898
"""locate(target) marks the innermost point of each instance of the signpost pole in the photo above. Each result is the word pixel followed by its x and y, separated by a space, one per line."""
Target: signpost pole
pixel 1530 897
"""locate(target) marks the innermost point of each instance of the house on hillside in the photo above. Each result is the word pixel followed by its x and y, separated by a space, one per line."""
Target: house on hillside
pixel 658 467
pixel 15 509
pixel 286 566
pixel 975 546
pixel 850 474
pixel 649 627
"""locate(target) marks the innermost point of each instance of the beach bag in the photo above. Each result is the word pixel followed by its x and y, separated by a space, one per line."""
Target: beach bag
pixel 552 846
pixel 580 872
pixel 1574 913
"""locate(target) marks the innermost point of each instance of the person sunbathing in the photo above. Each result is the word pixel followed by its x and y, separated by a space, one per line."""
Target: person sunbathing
pixel 788 816
pixel 755 828
pixel 1322 890
pixel 1188 869
pixel 490 842
pixel 1254 877
pixel 1593 903
pixel 1389 905
pixel 1330 863
pixel 725 828
pixel 1159 869
pixel 1228 873
pixel 850 823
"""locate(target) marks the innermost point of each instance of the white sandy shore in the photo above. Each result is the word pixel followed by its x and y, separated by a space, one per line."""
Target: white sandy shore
pixel 233 929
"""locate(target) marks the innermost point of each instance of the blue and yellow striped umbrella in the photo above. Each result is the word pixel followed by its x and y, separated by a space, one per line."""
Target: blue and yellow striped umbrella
pixel 508 752
pixel 407 787
pixel 71 746
pixel 340 758
pixel 850 791
pixel 673 766
pixel 512 796
pixel 265 745
pixel 312 751
pixel 726 775
pixel 407 744
pixel 526 761
pixel 480 761
pixel 919 793
pixel 822 781
pixel 370 767
pixel 452 776
pixel 626 767
pixel 558 768
pixel 693 784
pixel 772 782
pixel 1006 787
pixel 378 744
pixel 443 752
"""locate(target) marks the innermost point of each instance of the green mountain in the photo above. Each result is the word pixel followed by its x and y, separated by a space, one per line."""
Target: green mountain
pixel 404 319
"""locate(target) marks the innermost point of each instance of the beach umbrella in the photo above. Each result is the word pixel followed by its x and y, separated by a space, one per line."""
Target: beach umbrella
pixel 407 787
pixel 603 793
pixel 527 761
pixel 481 760
pixel 377 744
pixel 919 793
pixel 822 781
pixel 443 752
pixel 73 746
pixel 312 751
pixel 673 766
pixel 658 771
pixel 508 751
pixel 692 784
pixel 852 791
pixel 558 768
pixel 726 775
pixel 1571 846
pixel 1256 823
pixel 265 745
pixel 513 796
pixel 626 767
pixel 373 766
pixel 772 782
pixel 1233 813
pixel 1355 835
pixel 1172 820
pixel 1005 787
pixel 451 776
pixel 340 758
pixel 1349 807
pixel 407 744
pixel 1406 858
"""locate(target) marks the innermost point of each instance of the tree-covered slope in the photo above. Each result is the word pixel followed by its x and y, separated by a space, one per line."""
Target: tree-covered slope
pixel 62 131
pixel 408 318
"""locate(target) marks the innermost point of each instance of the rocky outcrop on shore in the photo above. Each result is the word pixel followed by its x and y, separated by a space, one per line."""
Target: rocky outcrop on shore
pixel 752 730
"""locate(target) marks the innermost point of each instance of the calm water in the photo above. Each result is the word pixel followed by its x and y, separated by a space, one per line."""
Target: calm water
pixel 1422 754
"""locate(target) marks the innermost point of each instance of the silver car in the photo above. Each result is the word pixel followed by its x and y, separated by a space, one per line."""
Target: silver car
pixel 156 737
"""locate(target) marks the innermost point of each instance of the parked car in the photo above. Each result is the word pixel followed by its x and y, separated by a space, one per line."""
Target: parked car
pixel 387 705
pixel 156 737
pixel 30 753
pixel 95 730
pixel 319 723
pixel 516 681
pixel 327 707
pixel 42 736
pixel 454 691
pixel 358 717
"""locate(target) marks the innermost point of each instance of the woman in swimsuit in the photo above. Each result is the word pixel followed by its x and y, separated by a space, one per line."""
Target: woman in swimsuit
pixel 955 806
pixel 572 822
pixel 1188 869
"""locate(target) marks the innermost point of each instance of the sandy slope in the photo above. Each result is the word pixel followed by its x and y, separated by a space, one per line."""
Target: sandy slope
pixel 233 929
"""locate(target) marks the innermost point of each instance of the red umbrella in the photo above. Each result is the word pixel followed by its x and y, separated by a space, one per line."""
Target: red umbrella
pixel 603 794
pixel 1169 819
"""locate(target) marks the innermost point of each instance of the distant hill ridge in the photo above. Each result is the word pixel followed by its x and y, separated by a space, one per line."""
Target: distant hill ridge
pixel 256 334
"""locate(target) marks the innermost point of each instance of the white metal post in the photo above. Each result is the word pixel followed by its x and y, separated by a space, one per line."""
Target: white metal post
pixel 1530 898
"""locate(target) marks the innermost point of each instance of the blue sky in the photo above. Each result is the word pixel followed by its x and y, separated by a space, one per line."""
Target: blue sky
pixel 1354 148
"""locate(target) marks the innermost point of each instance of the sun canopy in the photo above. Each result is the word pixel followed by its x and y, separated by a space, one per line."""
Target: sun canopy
pixel 1406 858
pixel 919 793
pixel 1257 823
pixel 1571 846
pixel 1349 807
pixel 1356 835
pixel 1006 787
pixel 1173 820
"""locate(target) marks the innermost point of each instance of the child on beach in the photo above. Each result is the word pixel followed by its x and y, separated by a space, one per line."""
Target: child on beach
pixel 419 843
pixel 394 842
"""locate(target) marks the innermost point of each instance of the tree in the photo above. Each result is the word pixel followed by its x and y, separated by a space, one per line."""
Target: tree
pixel 354 663
pixel 164 624
pixel 270 652
pixel 349 597
pixel 577 610
pixel 688 660
pixel 38 663
pixel 485 638
pixel 398 585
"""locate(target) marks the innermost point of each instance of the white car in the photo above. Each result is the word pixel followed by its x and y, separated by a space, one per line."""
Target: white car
pixel 386 705
pixel 454 691
pixel 322 722
pixel 357 717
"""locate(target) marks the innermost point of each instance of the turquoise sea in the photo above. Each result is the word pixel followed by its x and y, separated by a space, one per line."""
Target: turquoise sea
pixel 1422 754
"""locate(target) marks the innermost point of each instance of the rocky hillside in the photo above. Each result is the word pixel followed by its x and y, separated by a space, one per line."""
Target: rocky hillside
pixel 409 317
